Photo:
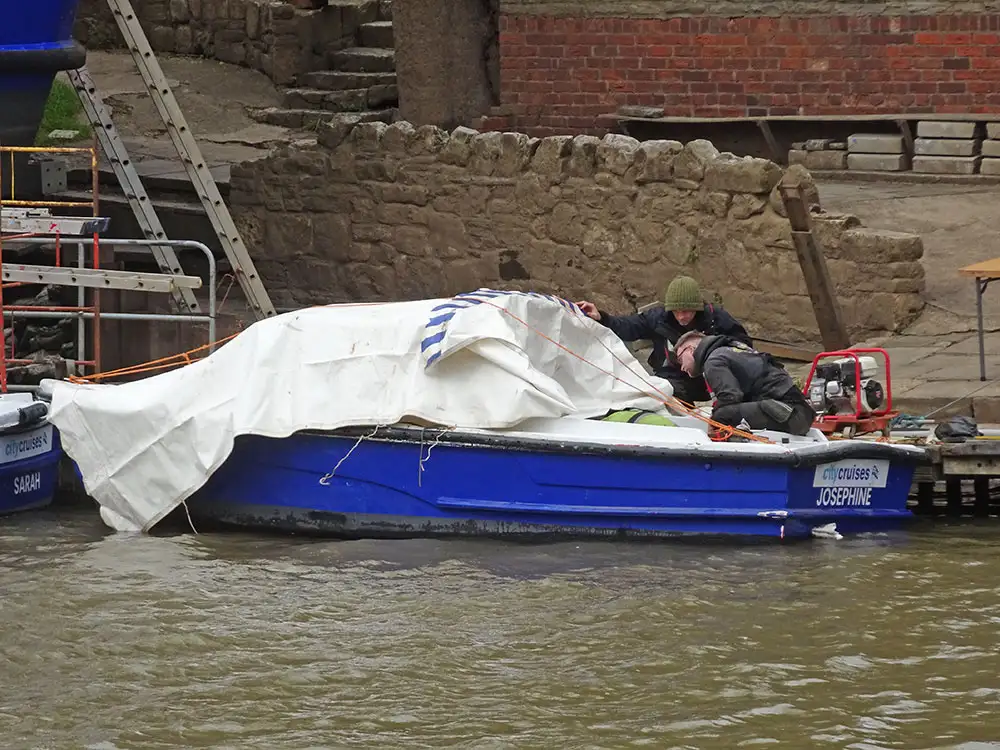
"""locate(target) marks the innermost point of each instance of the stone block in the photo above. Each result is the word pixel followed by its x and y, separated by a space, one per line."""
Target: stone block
pixel 993 130
pixel 458 149
pixel 427 140
pixel 396 137
pixel 875 143
pixel 946 147
pixel 629 110
pixel 658 165
pixel 516 150
pixel 616 153
pixel 946 129
pixel 820 160
pixel 583 155
pixel 331 134
pixel 881 246
pixel 946 164
pixel 742 175
pixel 990 166
pixel 991 148
pixel 818 144
pixel 878 162
pixel 691 162
pixel 797 156
pixel 550 155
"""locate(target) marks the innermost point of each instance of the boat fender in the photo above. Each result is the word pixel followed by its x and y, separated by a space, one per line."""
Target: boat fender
pixel 32 413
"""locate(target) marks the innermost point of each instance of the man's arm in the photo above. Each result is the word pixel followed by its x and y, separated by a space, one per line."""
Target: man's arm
pixel 725 386
pixel 629 327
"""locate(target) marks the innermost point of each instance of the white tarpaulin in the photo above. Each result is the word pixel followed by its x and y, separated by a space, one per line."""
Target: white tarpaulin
pixel 485 359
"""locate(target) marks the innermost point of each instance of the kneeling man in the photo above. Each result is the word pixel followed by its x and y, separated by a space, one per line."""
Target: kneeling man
pixel 747 384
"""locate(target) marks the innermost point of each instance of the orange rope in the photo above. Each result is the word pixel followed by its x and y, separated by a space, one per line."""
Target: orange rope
pixel 174 360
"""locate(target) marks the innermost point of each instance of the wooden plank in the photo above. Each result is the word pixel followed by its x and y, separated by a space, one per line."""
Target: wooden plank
pixel 785 351
pixel 971 467
pixel 772 143
pixel 813 265
pixel 958 117
pixel 987 269
pixel 907 131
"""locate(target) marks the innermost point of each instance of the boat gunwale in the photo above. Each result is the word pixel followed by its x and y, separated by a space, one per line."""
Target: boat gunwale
pixel 806 456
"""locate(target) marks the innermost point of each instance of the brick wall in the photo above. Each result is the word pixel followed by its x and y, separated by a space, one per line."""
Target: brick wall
pixel 559 73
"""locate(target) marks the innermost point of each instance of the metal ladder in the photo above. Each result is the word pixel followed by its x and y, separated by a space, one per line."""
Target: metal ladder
pixel 190 154
pixel 113 147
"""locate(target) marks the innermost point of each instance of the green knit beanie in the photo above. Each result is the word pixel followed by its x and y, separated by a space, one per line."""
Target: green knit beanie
pixel 683 294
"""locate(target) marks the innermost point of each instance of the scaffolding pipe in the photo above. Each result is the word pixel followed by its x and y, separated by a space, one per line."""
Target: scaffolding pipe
pixel 27 311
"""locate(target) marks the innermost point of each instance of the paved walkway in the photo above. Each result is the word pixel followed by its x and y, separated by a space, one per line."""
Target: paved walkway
pixel 935 362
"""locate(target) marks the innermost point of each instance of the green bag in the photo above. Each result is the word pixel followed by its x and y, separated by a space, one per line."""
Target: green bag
pixel 638 416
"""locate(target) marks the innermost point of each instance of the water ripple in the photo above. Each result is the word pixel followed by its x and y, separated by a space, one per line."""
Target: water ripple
pixel 236 641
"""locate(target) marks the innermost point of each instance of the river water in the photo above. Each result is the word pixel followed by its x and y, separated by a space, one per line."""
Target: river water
pixel 241 641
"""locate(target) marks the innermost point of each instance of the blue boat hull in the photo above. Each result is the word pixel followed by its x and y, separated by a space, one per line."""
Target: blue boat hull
pixel 29 468
pixel 398 485
pixel 36 42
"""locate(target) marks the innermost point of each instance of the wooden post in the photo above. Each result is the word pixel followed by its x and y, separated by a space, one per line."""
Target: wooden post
pixel 813 264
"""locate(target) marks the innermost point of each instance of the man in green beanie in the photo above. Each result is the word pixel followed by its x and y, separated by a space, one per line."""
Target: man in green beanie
pixel 683 310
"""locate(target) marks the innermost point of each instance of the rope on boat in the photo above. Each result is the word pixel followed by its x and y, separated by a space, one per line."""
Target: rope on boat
pixel 163 363
pixel 422 458
pixel 325 479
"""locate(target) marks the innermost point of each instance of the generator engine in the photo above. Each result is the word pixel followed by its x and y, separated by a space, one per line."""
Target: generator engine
pixel 834 387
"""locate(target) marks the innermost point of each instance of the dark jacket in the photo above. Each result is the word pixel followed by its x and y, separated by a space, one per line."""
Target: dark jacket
pixel 737 373
pixel 662 328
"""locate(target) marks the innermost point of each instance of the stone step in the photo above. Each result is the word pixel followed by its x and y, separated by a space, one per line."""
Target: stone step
pixel 310 119
pixel 356 12
pixel 364 60
pixel 347 100
pixel 340 80
pixel 378 34
pixel 350 100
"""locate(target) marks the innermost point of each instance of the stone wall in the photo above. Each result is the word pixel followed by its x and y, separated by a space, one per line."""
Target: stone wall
pixel 376 212
pixel 566 62
pixel 280 39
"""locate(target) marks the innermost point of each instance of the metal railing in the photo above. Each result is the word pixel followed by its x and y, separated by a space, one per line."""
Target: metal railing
pixel 35 311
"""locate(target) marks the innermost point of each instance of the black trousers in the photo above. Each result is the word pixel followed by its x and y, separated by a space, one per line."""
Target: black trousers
pixel 798 423
pixel 685 388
